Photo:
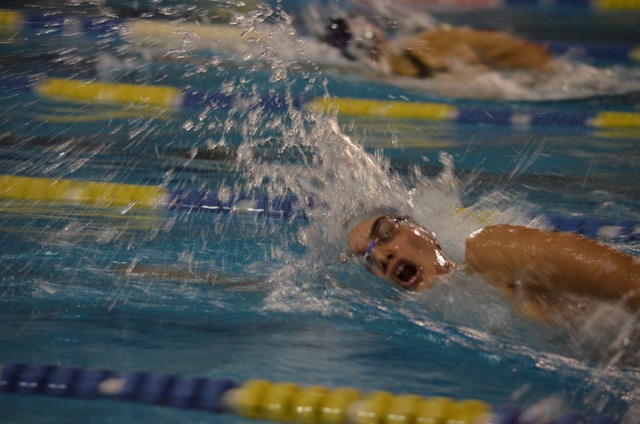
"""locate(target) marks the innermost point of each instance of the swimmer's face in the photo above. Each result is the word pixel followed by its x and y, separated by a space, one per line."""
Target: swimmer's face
pixel 399 250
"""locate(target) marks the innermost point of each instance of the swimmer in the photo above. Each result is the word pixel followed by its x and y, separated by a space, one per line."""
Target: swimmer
pixel 540 271
pixel 432 53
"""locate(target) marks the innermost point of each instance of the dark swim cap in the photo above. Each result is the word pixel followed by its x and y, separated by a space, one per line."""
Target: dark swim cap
pixel 338 33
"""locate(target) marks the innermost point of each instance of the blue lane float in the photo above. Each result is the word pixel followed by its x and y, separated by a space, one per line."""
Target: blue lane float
pixel 292 208
pixel 126 196
pixel 286 207
pixel 175 99
pixel 261 399
pixel 594 227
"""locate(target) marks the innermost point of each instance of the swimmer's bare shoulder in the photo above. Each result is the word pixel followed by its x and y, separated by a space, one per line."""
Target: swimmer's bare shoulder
pixel 546 263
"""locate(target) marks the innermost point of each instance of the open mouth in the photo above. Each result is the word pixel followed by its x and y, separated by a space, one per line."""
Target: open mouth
pixel 406 274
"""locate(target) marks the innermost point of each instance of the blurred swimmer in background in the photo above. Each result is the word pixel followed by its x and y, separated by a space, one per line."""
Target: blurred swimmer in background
pixel 431 53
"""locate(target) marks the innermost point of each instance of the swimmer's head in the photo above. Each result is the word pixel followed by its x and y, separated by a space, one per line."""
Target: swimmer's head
pixel 356 37
pixel 400 250
pixel 338 33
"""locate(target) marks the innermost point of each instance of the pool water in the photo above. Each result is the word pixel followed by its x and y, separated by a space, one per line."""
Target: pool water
pixel 199 293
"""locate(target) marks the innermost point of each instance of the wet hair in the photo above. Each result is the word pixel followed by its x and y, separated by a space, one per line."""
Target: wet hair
pixel 389 211
pixel 350 223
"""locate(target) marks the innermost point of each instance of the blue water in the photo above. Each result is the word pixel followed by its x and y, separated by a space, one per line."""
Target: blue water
pixel 242 296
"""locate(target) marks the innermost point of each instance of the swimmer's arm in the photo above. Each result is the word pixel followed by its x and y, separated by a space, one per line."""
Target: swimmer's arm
pixel 544 263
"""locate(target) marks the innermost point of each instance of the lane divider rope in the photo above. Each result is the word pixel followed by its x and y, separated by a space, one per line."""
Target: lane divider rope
pixel 265 400
pixel 144 31
pixel 163 96
pixel 175 99
pixel 208 36
pixel 126 196
pixel 474 114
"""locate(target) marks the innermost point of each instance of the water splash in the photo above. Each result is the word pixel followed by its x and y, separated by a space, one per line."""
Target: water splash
pixel 346 181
